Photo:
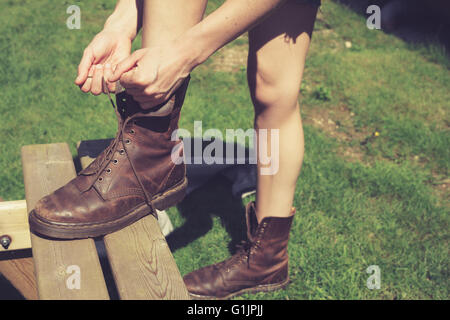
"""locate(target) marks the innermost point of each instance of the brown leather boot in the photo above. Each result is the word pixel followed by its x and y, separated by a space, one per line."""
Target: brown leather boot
pixel 133 176
pixel 261 263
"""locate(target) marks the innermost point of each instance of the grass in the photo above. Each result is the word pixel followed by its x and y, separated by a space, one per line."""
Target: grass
pixel 382 202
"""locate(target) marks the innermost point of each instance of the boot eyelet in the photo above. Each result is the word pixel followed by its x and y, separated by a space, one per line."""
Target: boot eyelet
pixel 122 152
pixel 132 131
pixel 108 170
pixel 128 141
pixel 115 161
pixel 100 179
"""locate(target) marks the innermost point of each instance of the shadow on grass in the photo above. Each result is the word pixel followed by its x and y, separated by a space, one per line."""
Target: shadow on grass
pixel 413 21
pixel 199 207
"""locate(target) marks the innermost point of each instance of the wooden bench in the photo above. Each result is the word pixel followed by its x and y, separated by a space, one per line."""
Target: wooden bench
pixel 140 259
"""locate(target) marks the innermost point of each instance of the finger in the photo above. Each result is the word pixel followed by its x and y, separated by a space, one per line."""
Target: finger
pixel 97 80
pixel 86 86
pixel 126 65
pixel 107 72
pixel 128 81
pixel 84 66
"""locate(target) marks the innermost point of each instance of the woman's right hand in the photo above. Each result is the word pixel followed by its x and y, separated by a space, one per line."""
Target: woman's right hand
pixel 99 60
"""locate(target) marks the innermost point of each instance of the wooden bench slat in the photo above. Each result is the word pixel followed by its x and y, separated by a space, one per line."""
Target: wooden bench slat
pixel 17 266
pixel 46 168
pixel 14 223
pixel 141 261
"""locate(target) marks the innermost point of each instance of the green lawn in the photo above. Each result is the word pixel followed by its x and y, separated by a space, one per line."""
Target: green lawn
pixel 362 199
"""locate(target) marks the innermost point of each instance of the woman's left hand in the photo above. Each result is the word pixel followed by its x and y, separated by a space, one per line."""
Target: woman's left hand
pixel 151 75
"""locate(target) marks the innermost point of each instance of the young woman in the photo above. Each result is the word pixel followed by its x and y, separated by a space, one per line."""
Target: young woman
pixel 176 39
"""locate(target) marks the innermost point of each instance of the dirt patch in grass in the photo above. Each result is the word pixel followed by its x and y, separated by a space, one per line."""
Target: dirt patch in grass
pixel 230 58
pixel 441 187
pixel 324 37
pixel 326 40
pixel 338 123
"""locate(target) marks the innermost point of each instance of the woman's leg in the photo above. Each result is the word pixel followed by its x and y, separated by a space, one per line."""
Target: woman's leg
pixel 278 48
pixel 165 20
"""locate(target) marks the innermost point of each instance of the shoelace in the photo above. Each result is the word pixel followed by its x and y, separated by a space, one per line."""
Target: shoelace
pixel 244 251
pixel 106 155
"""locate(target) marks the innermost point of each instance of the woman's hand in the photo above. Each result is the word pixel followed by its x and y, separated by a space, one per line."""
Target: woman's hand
pixel 151 75
pixel 100 58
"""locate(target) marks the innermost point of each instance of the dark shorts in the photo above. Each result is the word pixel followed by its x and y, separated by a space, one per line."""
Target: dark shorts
pixel 312 2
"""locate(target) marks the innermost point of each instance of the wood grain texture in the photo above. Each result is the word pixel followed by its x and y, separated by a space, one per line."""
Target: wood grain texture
pixel 17 265
pixel 46 168
pixel 142 264
pixel 20 272
pixel 14 223
pixel 141 261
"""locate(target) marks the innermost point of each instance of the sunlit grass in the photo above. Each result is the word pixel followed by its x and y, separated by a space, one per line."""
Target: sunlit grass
pixel 350 214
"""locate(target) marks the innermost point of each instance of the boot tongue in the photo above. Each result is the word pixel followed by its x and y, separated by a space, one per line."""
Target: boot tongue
pixel 252 221
pixel 149 119
pixel 126 105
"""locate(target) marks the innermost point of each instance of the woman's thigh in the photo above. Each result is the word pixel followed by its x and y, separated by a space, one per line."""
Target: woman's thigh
pixel 165 20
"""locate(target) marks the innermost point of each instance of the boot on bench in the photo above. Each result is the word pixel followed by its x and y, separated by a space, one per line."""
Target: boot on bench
pixel 132 178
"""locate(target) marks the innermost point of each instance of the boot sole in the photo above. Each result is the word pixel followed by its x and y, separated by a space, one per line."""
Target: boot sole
pixel 50 229
pixel 260 288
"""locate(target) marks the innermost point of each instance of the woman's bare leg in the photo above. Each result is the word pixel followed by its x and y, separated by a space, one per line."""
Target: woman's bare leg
pixel 165 20
pixel 278 48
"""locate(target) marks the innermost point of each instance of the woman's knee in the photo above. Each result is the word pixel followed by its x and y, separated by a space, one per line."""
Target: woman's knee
pixel 274 89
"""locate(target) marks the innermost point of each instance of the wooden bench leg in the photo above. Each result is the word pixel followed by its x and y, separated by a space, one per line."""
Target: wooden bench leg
pixel 20 272
pixel 46 168
pixel 142 264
